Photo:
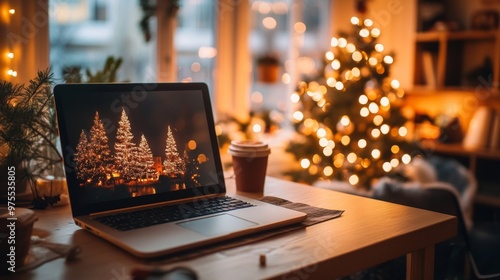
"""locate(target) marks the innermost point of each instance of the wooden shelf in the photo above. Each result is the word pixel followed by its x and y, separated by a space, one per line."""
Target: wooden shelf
pixel 435 36
pixel 459 150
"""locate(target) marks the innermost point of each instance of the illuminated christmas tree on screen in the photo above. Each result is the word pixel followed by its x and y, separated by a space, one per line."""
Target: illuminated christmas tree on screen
pixel 349 121
pixel 99 153
pixel 173 164
pixel 145 164
pixel 82 157
pixel 125 150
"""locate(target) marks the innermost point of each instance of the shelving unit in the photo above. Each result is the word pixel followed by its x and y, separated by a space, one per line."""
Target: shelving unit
pixel 445 58
pixel 457 71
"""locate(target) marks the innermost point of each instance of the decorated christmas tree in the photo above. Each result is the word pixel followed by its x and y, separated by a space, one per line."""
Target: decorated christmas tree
pixel 144 160
pixel 173 163
pixel 82 158
pixel 348 119
pixel 99 151
pixel 125 150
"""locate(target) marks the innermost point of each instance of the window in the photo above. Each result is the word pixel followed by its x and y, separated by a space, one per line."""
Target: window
pixel 83 33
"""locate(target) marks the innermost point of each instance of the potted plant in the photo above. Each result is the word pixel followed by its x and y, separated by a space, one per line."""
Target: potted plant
pixel 268 68
pixel 28 135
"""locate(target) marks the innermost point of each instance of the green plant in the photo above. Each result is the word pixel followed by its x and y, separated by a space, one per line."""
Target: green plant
pixel 73 75
pixel 28 129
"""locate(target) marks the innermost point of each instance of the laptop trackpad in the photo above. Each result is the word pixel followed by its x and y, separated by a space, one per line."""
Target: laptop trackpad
pixel 217 225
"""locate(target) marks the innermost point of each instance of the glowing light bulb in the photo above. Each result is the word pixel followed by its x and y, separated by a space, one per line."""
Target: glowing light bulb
pixel 368 22
pixel 395 149
pixel 321 133
pixel 406 158
pixel 373 107
pixel 339 85
pixel 375 133
pixel 362 143
pixel 387 166
pixel 295 97
pixel 375 32
pixel 394 162
pixel 342 42
pixel 299 27
pixel 305 163
pixel 10 55
pixel 388 59
pixel 385 129
pixel 352 157
pixel 355 20
pixel 298 116
pixel 356 72
pixel 335 64
pixel 338 161
pixel 348 75
pixel 334 42
pixel 377 120
pixel 323 142
pixel 403 131
pixel 357 56
pixel 256 128
pixel 379 47
pixel 327 151
pixel 345 121
pixel 363 99
pixel 364 112
pixel 395 84
pixel 329 55
pixel 12 11
pixel 372 61
pixel 345 140
pixel 384 101
pixel 328 171
pixel 269 23
pixel 354 179
pixel 316 158
pixel 364 33
pixel 331 82
pixel 331 144
pixel 350 48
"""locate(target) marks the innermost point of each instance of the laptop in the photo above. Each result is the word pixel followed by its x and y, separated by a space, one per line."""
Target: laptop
pixel 143 168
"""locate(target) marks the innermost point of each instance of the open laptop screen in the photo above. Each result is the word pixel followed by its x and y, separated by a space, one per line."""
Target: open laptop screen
pixel 132 144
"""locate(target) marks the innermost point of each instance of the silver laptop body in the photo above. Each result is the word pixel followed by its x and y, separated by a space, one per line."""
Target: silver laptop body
pixel 129 147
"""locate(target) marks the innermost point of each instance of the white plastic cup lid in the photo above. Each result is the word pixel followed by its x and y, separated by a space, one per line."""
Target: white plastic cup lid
pixel 249 148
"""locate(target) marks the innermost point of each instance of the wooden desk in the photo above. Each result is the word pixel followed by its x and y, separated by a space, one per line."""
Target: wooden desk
pixel 368 233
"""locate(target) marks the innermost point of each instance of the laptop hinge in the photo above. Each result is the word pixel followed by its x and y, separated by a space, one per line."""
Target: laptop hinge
pixel 152 205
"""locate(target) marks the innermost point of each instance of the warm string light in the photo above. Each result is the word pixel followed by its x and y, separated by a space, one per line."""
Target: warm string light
pixel 10 55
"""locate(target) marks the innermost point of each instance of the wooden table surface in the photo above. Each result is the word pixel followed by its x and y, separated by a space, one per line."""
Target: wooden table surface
pixel 368 233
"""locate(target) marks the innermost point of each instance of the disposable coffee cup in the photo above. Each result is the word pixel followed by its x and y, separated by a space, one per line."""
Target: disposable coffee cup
pixel 249 164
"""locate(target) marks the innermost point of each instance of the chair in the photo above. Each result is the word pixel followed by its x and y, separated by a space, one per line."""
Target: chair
pixel 477 250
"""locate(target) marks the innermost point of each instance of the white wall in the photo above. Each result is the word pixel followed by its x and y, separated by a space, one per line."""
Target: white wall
pixel 397 22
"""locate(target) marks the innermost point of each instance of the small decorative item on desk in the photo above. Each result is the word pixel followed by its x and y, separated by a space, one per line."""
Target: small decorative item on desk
pixel 15 224
pixel 51 191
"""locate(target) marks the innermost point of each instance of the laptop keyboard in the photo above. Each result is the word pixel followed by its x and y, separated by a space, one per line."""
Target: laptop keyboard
pixel 172 213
